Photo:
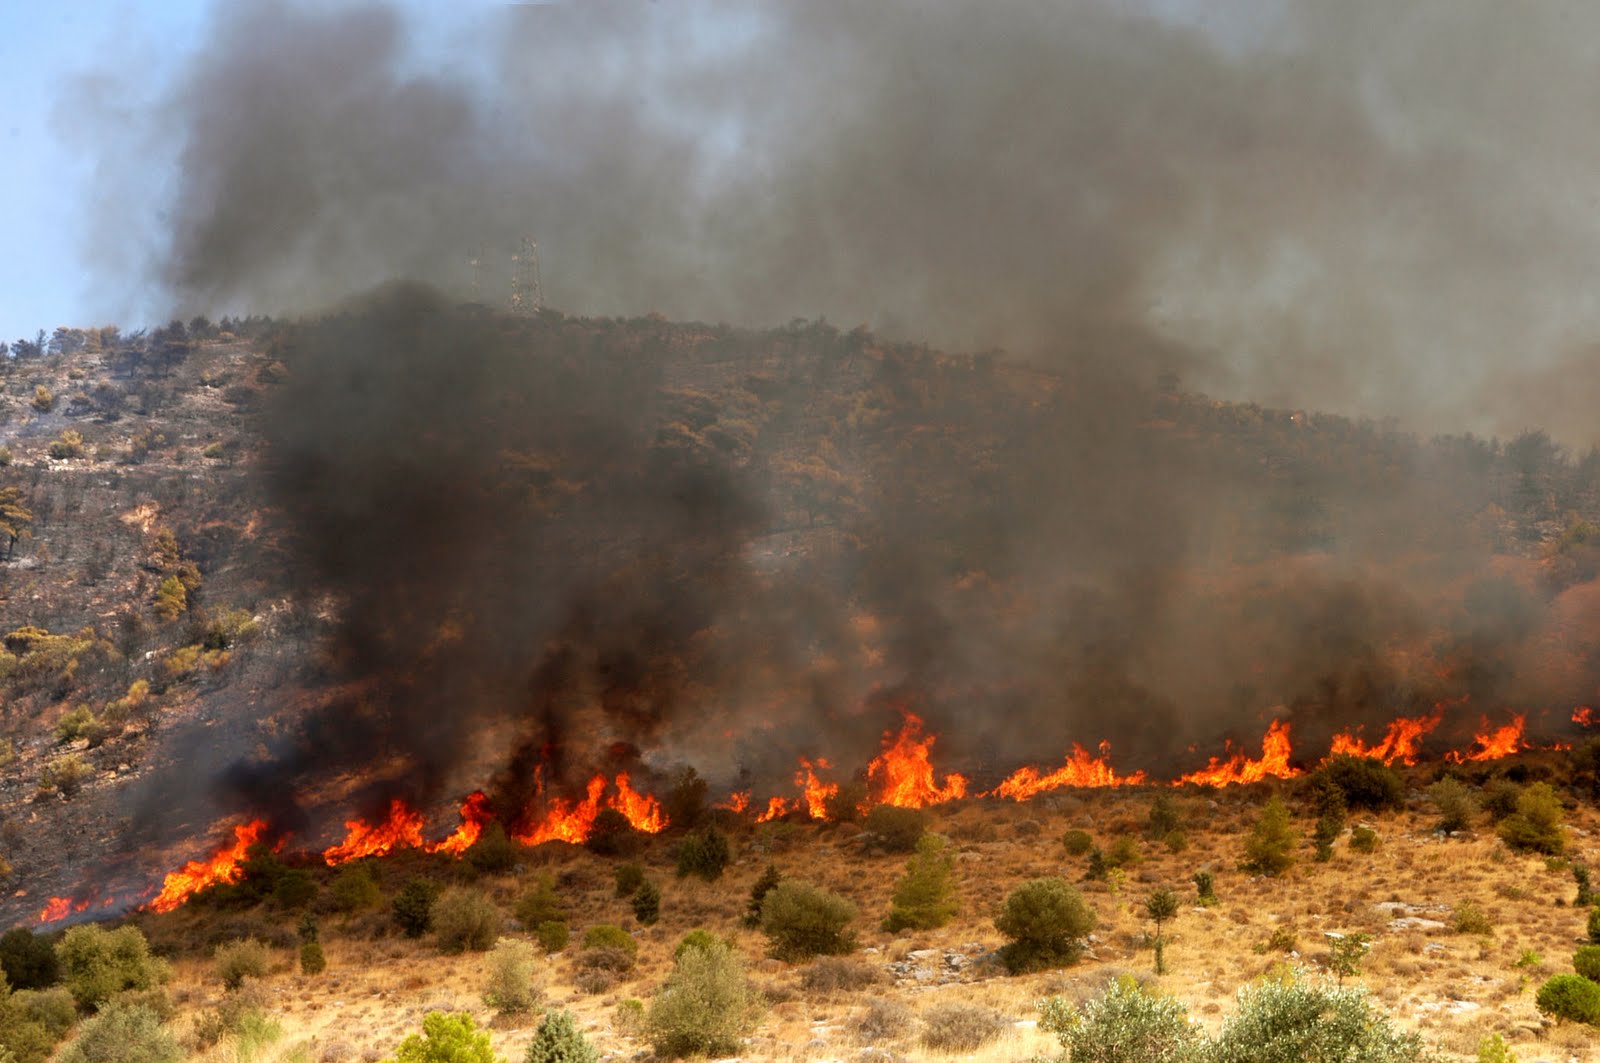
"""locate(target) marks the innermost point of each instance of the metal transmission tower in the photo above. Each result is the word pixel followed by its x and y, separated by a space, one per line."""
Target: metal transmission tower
pixel 526 295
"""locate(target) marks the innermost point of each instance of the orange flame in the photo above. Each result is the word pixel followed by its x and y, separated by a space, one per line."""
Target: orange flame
pixel 57 908
pixel 903 772
pixel 1401 742
pixel 1493 744
pixel 816 791
pixel 776 806
pixel 1080 770
pixel 738 801
pixel 571 821
pixel 402 830
pixel 1584 716
pixel 475 815
pixel 221 868
pixel 1274 763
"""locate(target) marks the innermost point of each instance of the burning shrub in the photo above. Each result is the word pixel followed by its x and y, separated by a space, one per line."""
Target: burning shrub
pixel 509 987
pixel 1536 824
pixel 895 830
pixel 629 878
pixel 1047 921
pixel 413 907
pixel 239 960
pixel 758 894
pixel 465 919
pixel 647 904
pixel 1586 961
pixel 97 964
pixel 446 1038
pixel 28 960
pixel 122 1033
pixel 552 935
pixel 801 921
pixel 844 804
pixel 1126 1023
pixel 1077 842
pixel 354 889
pixel 960 1027
pixel 706 1006
pixel 558 1041
pixel 1455 802
pixel 705 855
pixel 1269 850
pixel 1363 781
pixel 612 835
pixel 924 898
pixel 1570 997
pixel 1292 1019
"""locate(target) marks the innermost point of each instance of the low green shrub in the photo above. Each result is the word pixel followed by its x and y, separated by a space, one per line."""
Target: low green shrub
pixel 97 964
pixel 509 982
pixel 1586 961
pixel 801 921
pixel 465 920
pixel 121 1033
pixel 238 960
pixel 606 936
pixel 647 904
pixel 1470 918
pixel 706 1007
pixel 1124 1023
pixel 552 935
pixel 558 1040
pixel 629 877
pixel 1046 921
pixel 447 1037
pixel 894 829
pixel 1077 842
pixel 413 907
pixel 1570 997
pixel 704 854
pixel 958 1026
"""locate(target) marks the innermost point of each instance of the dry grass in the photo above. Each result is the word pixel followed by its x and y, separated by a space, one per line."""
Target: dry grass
pixel 1454 988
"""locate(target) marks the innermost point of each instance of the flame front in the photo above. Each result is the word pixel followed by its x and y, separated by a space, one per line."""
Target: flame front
pixel 902 774
pixel 738 802
pixel 1492 744
pixel 1401 742
pixel 222 868
pixel 572 821
pixel 1584 716
pixel 1238 769
pixel 57 908
pixel 475 815
pixel 816 792
pixel 776 806
pixel 1080 770
pixel 402 830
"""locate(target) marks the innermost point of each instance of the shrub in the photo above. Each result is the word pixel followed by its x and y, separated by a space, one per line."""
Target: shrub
pixel 540 904
pixel 1124 852
pixel 1585 897
pixel 1570 997
pixel 558 1041
pixel 1364 782
pixel 509 986
pixel 294 889
pixel 611 835
pixel 1205 888
pixel 1161 906
pixel 704 855
pixel 1046 921
pixel 44 400
pixel 31 1023
pixel 629 878
pixel 172 598
pixel 1364 839
pixel 705 1007
pixel 493 853
pixel 1493 1049
pixel 28 960
pixel 465 919
pixel 960 1027
pixel 354 889
pixel 69 444
pixel 698 938
pixel 413 907
pixel 1536 824
pixel 1124 1023
pixel 1269 850
pixel 844 804
pixel 65 775
pixel 606 936
pixel 1586 961
pixel 1329 826
pixel 1164 818
pixel 1345 953
pixel 1455 803
pixel 885 1019
pixel 238 960
pixel 1077 842
pixel 839 974
pixel 894 829
pixel 758 894
pixel 924 898
pixel 552 935
pixel 97 964
pixel 1469 918
pixel 685 804
pixel 122 1034
pixel 1291 1020
pixel 1594 926
pixel 312 961
pixel 801 921
pixel 1500 798
pixel 446 1038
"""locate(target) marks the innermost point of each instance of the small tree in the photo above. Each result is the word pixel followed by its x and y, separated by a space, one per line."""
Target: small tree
pixel 704 855
pixel 1205 888
pixel 413 907
pixel 758 894
pixel 465 919
pixel 1164 818
pixel 1269 850
pixel 15 518
pixel 1161 906
pixel 1455 803
pixel 1585 897
pixel 801 921
pixel 1047 921
pixel 686 801
pixel 1345 953
pixel 1536 824
pixel 647 904
pixel 1125 1024
pixel 558 1040
pixel 924 898
pixel 706 1006
pixel 447 1037
pixel 97 964
pixel 509 986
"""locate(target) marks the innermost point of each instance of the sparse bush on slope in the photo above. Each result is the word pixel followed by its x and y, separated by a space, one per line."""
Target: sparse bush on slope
pixel 1125 1024
pixel 802 921
pixel 1047 921
pixel 706 1007
pixel 122 1033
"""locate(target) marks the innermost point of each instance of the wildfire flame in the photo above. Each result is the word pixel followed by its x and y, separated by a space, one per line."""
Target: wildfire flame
pixel 221 868
pixel 1584 716
pixel 571 821
pixel 776 806
pixel 401 830
pixel 57 908
pixel 902 774
pixel 1239 768
pixel 1493 744
pixel 738 802
pixel 1080 770
pixel 815 790
pixel 475 815
pixel 1401 742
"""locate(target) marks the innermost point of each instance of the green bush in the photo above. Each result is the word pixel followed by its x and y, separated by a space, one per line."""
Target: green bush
pixel 1292 1020
pixel 698 938
pixel 413 907
pixel 1364 782
pixel 31 1023
pixel 1594 925
pixel 1205 888
pixel 294 889
pixel 509 986
pixel 447 1038
pixel 1269 850
pixel 540 904
pixel 121 1033
pixel 629 878
pixel 1077 842
pixel 238 960
pixel 758 894
pixel 312 961
pixel 1164 818
pixel 1455 802
pixel 559 1041
pixel 801 921
pixel 1493 1049
pixel 493 853
pixel 612 835
pixel 354 889
pixel 1536 824
pixel 958 1026
pixel 1570 997
pixel 28 960
pixel 465 919
pixel 924 898
pixel 706 1006
pixel 1586 961
pixel 97 964
pixel 894 829
pixel 647 904
pixel 606 936
pixel 1500 798
pixel 65 775
pixel 1124 1024
pixel 552 935
pixel 1046 921
pixel 1469 918
pixel 1124 852
pixel 704 854
pixel 1364 839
